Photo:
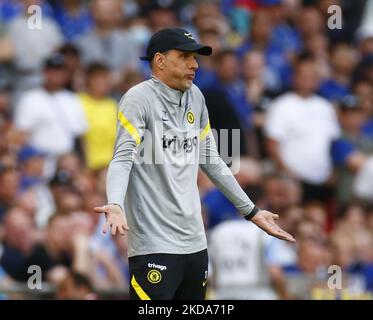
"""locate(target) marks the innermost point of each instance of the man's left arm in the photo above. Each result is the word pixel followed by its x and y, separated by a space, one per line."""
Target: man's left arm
pixel 218 172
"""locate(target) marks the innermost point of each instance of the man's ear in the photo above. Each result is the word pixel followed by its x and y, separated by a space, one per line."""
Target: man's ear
pixel 159 60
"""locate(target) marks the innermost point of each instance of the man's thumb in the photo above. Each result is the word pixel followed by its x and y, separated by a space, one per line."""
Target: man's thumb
pixel 100 209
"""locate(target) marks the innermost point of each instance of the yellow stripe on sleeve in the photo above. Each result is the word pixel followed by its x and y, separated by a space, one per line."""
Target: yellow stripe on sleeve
pixel 205 131
pixel 126 124
pixel 140 292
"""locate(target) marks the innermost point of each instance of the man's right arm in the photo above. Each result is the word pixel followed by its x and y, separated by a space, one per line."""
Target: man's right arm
pixel 130 130
pixel 275 129
pixel 272 146
pixel 26 117
pixel 345 153
pixel 215 168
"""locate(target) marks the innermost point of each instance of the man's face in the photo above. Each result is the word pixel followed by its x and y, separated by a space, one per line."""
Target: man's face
pixel 100 84
pixel 306 80
pixel 228 68
pixel 59 232
pixel 9 183
pixel 366 46
pixel 253 65
pixel 261 27
pixel 352 120
pixel 34 166
pixel 107 13
pixel 55 77
pixel 178 69
pixel 19 229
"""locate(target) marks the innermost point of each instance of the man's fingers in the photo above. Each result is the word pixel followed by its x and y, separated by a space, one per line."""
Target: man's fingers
pixel 114 228
pixel 285 236
pixel 122 229
pixel 281 234
pixel 266 221
pixel 289 238
pixel 105 227
pixel 114 222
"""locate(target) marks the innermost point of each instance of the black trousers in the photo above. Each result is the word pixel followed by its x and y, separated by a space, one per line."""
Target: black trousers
pixel 164 276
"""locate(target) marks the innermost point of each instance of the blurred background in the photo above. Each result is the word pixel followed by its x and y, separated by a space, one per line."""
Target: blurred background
pixel 300 92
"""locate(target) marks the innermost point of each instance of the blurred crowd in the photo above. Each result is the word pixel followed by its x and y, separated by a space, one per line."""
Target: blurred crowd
pixel 300 92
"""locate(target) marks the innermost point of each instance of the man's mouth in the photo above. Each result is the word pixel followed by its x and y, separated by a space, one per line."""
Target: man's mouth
pixel 190 76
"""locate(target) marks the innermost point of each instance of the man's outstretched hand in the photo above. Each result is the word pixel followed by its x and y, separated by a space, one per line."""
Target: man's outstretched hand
pixel 265 220
pixel 115 219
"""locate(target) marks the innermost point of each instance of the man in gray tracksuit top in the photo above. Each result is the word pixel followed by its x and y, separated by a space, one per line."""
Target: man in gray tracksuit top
pixel 163 137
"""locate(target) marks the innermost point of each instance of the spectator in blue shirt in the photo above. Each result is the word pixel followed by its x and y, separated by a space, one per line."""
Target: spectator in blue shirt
pixel 205 74
pixel 364 91
pixel 73 18
pixel 262 38
pixel 343 61
pixel 227 80
pixel 10 9
pixel 218 207
pixel 226 99
pixel 283 33
pixel 18 242
pixel 351 150
pixel 32 164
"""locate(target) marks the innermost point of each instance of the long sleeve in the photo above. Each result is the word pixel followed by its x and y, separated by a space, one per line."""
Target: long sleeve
pixel 218 172
pixel 130 130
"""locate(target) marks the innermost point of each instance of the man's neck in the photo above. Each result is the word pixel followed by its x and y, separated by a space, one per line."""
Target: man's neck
pixel 341 78
pixel 95 96
pixel 51 89
pixel 103 31
pixel 162 79
pixel 303 94
pixel 352 132
pixel 72 8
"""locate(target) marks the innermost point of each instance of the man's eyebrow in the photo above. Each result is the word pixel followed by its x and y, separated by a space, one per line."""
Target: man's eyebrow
pixel 188 53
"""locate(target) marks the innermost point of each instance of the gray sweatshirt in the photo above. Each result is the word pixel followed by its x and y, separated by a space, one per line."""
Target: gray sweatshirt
pixel 163 136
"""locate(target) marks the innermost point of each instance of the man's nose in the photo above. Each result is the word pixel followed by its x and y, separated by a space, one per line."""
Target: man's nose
pixel 194 64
